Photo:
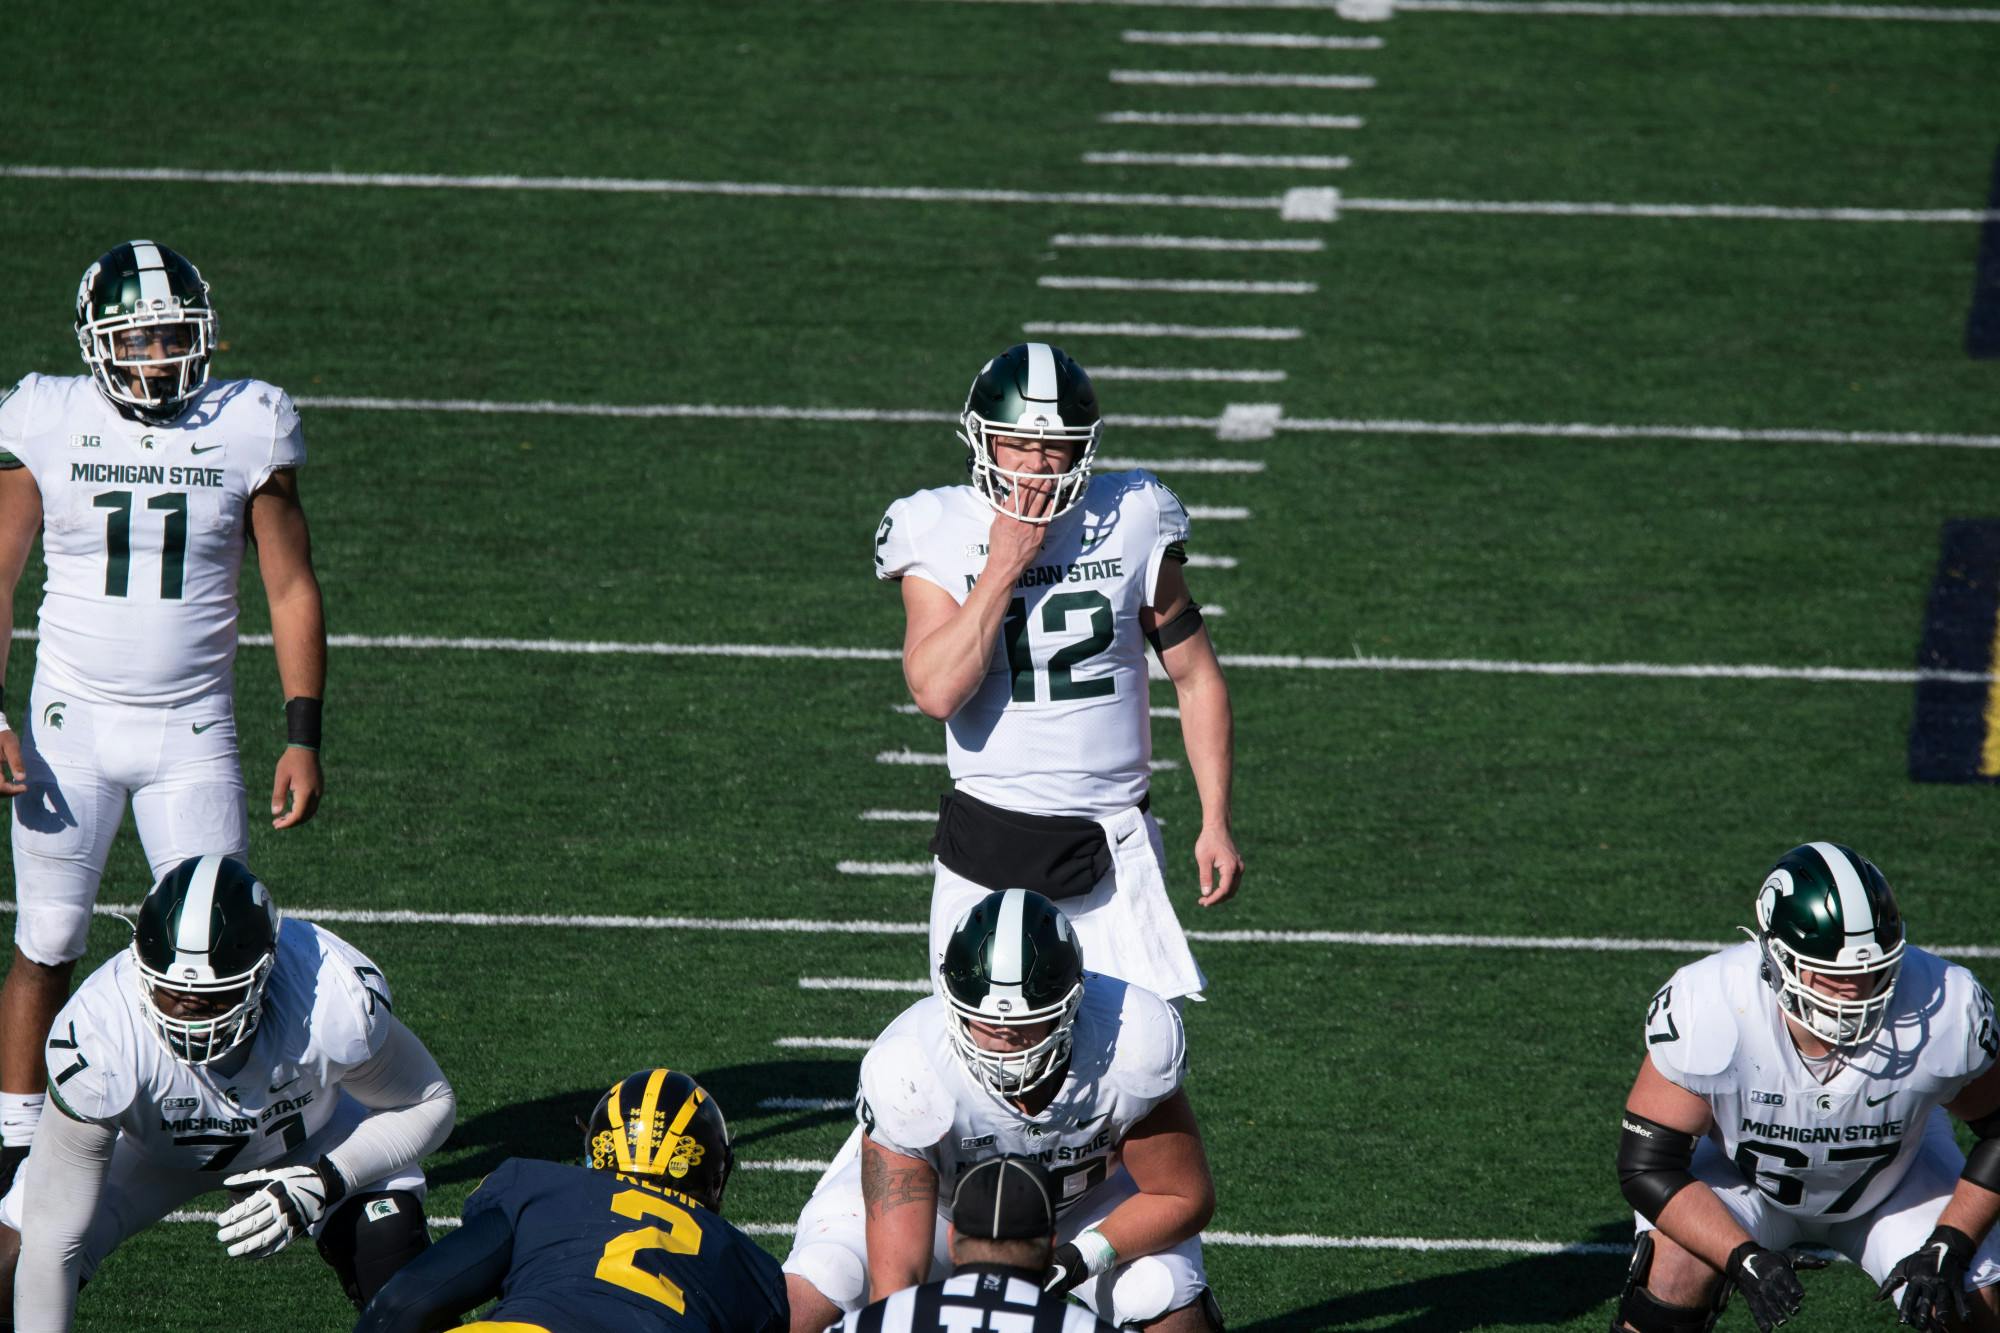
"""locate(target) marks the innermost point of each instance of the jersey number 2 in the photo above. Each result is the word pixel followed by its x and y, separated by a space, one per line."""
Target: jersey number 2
pixel 1056 611
pixel 682 1236
pixel 118 541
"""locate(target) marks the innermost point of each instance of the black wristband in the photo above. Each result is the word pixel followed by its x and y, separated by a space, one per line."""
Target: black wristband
pixel 1956 1243
pixel 302 723
pixel 329 1174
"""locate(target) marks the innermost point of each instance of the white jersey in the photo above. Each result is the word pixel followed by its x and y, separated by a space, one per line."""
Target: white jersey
pixel 1128 1054
pixel 144 529
pixel 1825 1150
pixel 1059 724
pixel 326 1010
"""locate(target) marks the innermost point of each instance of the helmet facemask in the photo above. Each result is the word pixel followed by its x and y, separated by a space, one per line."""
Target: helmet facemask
pixel 201 1041
pixel 1825 911
pixel 209 928
pixel 1012 1073
pixel 138 300
pixel 1844 1023
pixel 1013 961
pixel 1031 392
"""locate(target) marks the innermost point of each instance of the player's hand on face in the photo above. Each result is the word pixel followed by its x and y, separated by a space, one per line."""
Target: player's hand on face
pixel 1220 864
pixel 1933 1282
pixel 14 781
pixel 298 778
pixel 1012 543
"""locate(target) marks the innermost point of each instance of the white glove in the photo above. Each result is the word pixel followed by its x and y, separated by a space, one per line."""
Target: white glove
pixel 282 1204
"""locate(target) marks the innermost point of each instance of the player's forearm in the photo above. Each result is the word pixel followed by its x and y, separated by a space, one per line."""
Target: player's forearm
pixel 412 1110
pixel 298 636
pixel 1695 1220
pixel 1149 1223
pixel 1208 729
pixel 1971 1209
pixel 946 668
pixel 65 1176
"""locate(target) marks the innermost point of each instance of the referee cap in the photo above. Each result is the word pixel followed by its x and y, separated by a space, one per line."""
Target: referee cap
pixel 1004 1198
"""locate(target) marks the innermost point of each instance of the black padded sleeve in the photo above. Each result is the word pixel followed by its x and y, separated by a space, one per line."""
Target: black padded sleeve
pixel 1653 1164
pixel 458 1274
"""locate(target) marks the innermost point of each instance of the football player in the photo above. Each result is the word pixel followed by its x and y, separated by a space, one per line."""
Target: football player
pixel 1795 1091
pixel 634 1239
pixel 1020 1051
pixel 226 1047
pixel 145 478
pixel 1029 597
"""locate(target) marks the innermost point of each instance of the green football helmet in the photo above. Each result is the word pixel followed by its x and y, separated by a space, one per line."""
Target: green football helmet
pixel 1031 391
pixel 208 928
pixel 1826 909
pixel 661 1124
pixel 1012 961
pixel 146 330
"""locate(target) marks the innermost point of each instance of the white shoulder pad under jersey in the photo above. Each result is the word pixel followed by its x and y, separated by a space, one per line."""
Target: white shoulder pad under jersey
pixel 99 1048
pixel 1961 1042
pixel 1692 1023
pixel 349 997
pixel 907 1101
pixel 1145 1040
pixel 1170 529
pixel 908 538
pixel 17 407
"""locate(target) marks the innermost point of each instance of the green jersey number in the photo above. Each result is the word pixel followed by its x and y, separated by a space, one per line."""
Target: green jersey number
pixel 118 541
pixel 1057 608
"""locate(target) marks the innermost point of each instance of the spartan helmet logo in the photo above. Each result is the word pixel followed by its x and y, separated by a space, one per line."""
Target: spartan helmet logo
pixel 1004 1006
pixel 1777 886
pixel 189 973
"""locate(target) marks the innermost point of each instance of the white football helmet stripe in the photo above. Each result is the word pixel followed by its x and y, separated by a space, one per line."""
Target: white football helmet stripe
pixel 153 285
pixel 1041 375
pixel 192 941
pixel 1008 965
pixel 1857 919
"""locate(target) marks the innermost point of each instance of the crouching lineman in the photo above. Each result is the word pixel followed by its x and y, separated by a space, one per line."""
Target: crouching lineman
pixel 632 1240
pixel 1020 1052
pixel 1790 1095
pixel 226 1047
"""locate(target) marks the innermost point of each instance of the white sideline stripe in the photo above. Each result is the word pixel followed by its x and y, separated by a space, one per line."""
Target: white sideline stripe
pixel 1197 375
pixel 1165 712
pixel 1307 162
pixel 1215 78
pixel 1220 513
pixel 1317 425
pixel 1199 561
pixel 825 1043
pixel 1100 241
pixel 1725 11
pixel 911 869
pixel 1284 40
pixel 1274 120
pixel 1244 1238
pixel 1219 286
pixel 1253 661
pixel 916 987
pixel 900 816
pixel 1254 333
pixel 802 926
pixel 931 195
pixel 1758 212
pixel 784 1163
pixel 806 1104
pixel 1183 464
pixel 620 185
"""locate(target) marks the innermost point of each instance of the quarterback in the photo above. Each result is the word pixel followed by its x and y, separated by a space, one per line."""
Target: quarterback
pixel 1797 1090
pixel 146 479
pixel 1029 597
pixel 1020 1051
pixel 226 1048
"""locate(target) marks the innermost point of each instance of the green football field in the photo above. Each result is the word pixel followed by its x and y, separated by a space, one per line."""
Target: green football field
pixel 616 326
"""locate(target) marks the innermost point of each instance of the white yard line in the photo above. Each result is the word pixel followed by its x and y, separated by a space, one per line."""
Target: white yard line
pixel 902 869
pixel 1183 464
pixel 1295 425
pixel 1282 162
pixel 915 758
pixel 925 194
pixel 1246 661
pixel 1215 78
pixel 1219 513
pixel 806 1104
pixel 900 816
pixel 1252 333
pixel 1292 41
pixel 1270 120
pixel 1186 375
pixel 1196 560
pixel 1215 286
pixel 1225 244
pixel 916 986
pixel 824 1043
pixel 782 1164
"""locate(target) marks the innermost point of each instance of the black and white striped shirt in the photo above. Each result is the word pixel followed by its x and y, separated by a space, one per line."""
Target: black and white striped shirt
pixel 980 1297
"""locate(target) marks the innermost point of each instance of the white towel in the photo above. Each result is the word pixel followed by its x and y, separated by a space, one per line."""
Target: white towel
pixel 1135 922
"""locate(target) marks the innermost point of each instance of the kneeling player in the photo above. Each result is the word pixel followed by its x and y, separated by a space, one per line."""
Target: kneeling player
pixel 226 1047
pixel 1021 1052
pixel 636 1243
pixel 1791 1095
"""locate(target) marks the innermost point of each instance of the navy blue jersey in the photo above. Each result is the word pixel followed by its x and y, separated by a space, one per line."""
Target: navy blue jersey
pixel 594 1250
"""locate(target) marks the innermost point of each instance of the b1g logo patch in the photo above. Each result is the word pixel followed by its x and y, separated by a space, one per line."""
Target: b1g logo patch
pixel 1767 1098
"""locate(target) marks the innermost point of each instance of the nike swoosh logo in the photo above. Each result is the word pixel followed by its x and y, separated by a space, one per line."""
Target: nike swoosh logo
pixel 1877 1101
pixel 1084 1126
pixel 200 727
pixel 279 1087
pixel 203 448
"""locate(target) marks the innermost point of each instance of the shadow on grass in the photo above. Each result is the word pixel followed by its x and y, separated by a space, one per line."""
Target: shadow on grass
pixel 546 1127
pixel 1535 1291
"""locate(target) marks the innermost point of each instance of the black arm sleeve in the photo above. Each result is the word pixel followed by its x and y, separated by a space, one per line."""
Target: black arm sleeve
pixel 1652 1164
pixel 1982 1164
pixel 458 1274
